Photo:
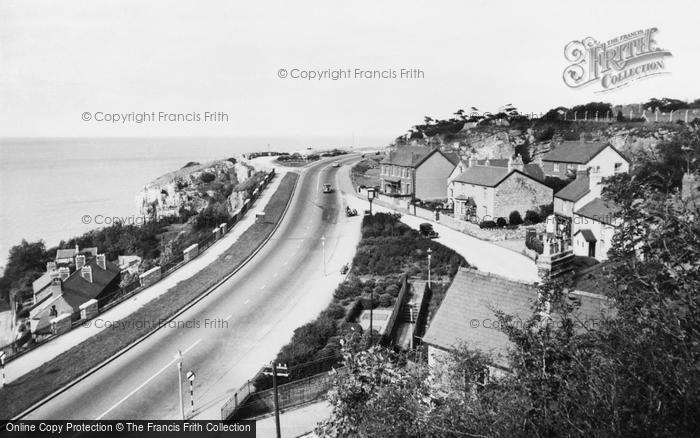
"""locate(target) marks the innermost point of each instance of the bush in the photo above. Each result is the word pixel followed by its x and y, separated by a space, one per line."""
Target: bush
pixel 487 225
pixel 515 218
pixel 334 311
pixel 501 221
pixel 534 243
pixel 532 217
pixel 207 177
pixel 386 300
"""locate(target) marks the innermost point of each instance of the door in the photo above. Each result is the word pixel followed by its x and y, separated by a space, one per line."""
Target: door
pixel 591 249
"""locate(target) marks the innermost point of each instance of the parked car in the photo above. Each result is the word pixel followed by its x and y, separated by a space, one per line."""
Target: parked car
pixel 336 164
pixel 327 188
pixel 426 230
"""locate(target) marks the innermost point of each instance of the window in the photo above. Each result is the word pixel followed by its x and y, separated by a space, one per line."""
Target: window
pixel 618 167
pixel 569 166
pixel 408 189
pixel 556 167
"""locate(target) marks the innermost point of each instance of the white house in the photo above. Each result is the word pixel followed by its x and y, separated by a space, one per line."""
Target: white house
pixel 570 157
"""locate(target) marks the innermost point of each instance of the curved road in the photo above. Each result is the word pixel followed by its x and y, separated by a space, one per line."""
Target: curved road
pixel 228 335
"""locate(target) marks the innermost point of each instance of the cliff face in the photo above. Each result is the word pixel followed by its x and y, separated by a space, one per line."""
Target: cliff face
pixel 481 142
pixel 192 187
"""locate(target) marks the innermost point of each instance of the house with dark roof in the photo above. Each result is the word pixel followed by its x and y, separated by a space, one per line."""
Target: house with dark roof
pixel 416 172
pixel 565 159
pixel 63 290
pixel 467 315
pixel 495 188
pixel 593 228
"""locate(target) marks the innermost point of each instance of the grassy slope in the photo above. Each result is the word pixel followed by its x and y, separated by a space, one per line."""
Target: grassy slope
pixel 40 382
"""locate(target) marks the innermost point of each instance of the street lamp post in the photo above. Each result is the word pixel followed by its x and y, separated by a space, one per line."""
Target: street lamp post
pixel 370 197
pixel 371 316
pixel 430 252
pixel 323 246
pixel 178 358
pixel 275 369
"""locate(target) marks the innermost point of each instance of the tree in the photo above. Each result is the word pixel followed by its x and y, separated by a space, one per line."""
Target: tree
pixel 514 218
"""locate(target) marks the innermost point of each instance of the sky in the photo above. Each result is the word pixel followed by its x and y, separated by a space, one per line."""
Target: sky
pixel 59 60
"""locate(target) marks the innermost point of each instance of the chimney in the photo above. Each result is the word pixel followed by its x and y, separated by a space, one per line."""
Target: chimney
pixel 595 184
pixel 79 261
pixel 515 164
pixel 56 287
pixel 487 162
pixel 86 273
pixel 472 161
pixel 77 249
pixel 582 137
pixel 102 261
pixel 63 273
pixel 50 266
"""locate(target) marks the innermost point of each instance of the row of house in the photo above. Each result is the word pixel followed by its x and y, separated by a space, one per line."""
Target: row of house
pixel 484 190
pixel 74 278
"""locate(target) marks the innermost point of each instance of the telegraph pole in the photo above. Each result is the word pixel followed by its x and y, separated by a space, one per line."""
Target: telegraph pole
pixel 178 358
pixel 274 366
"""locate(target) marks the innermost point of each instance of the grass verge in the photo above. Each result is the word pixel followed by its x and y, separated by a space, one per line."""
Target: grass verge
pixel 70 365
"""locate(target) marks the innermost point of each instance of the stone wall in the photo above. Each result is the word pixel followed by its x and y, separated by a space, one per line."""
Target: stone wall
pixel 520 193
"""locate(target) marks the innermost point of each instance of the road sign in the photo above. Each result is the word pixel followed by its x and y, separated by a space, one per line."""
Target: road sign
pixel 190 376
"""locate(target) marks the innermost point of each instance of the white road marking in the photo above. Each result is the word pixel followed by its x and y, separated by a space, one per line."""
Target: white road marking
pixel 146 382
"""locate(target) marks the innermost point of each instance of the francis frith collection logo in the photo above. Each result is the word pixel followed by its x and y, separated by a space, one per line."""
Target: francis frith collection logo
pixel 616 62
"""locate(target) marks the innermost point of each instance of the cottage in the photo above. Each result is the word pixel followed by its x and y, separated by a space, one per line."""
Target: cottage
pixel 496 188
pixel 467 315
pixel 571 156
pixel 69 287
pixel 593 228
pixel 417 172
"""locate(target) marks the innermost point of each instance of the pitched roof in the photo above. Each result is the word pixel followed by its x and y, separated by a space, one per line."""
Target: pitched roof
pixel 574 152
pixel 488 176
pixel 587 234
pixel 453 157
pixel 407 156
pixel 65 253
pixel 76 291
pixel 41 282
pixel 576 189
pixel 599 210
pixel 497 162
pixel 467 313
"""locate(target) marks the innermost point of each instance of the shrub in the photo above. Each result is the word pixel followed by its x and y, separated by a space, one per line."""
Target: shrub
pixel 501 221
pixel 532 217
pixel 207 177
pixel 386 300
pixel 334 311
pixel 487 225
pixel 515 218
pixel 534 243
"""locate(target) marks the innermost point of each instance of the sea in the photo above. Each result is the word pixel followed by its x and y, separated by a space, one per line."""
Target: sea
pixel 49 186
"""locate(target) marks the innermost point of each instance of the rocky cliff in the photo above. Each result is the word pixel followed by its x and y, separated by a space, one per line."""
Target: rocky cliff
pixel 191 188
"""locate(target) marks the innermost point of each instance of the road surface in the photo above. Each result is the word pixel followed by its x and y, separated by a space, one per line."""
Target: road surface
pixel 227 336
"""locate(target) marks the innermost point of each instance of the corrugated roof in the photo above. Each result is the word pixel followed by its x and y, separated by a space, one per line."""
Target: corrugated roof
pixel 599 210
pixel 575 190
pixel 574 152
pixel 467 313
